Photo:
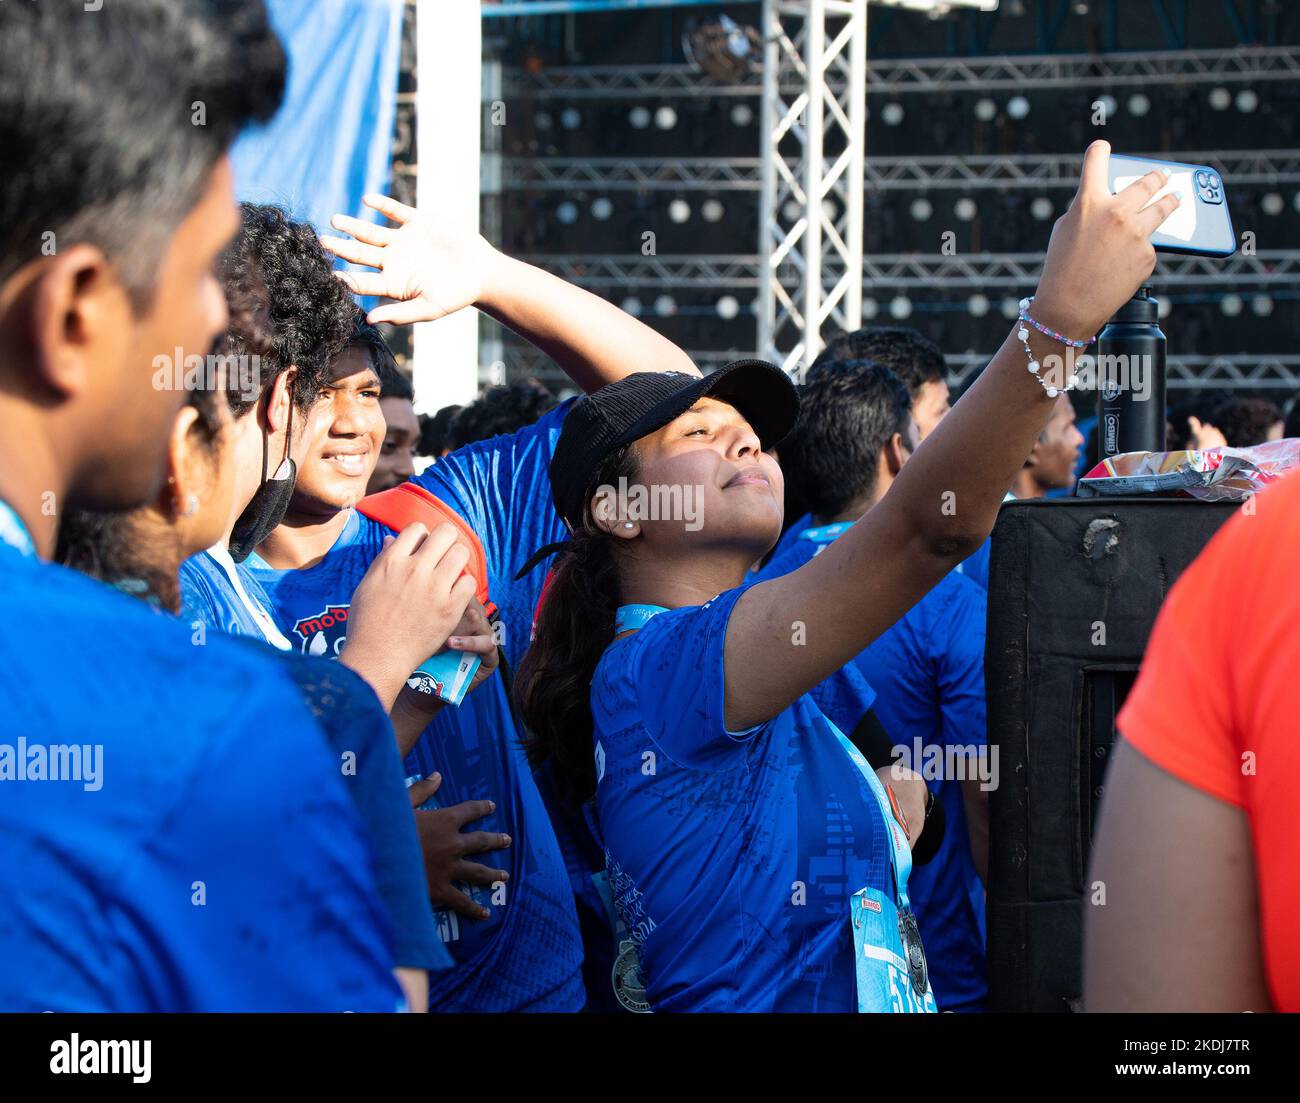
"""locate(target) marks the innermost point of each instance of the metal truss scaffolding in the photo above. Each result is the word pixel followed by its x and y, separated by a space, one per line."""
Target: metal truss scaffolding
pixel 1272 167
pixel 814 146
pixel 942 74
pixel 1240 372
pixel 968 272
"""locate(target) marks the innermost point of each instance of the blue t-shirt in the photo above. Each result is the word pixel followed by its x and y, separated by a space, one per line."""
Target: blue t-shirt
pixel 224 596
pixel 928 673
pixel 733 856
pixel 527 955
pixel 976 565
pixel 215 862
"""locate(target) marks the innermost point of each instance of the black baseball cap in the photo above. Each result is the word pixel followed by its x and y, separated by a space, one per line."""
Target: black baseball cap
pixel 644 402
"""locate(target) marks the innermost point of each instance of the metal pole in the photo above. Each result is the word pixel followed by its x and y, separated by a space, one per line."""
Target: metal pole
pixel 769 230
pixel 448 109
pixel 856 175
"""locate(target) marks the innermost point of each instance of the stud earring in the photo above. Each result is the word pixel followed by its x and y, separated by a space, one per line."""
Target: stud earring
pixel 191 505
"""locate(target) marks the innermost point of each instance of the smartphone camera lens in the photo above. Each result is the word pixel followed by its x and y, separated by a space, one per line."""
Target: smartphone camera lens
pixel 1209 187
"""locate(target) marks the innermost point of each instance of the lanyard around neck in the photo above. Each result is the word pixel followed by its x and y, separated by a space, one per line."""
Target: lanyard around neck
pixel 824 534
pixel 631 617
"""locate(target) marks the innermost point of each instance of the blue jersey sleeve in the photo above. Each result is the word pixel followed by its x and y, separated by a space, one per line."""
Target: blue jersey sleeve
pixel 672 675
pixel 502 488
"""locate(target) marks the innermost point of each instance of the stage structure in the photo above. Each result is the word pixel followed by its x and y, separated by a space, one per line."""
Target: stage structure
pixel 812 169
pixel 813 157
pixel 812 175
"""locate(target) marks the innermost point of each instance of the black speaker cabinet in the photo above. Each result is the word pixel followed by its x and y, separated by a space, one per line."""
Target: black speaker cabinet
pixel 1074 588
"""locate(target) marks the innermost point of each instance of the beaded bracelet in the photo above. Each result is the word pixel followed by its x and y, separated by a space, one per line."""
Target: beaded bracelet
pixel 1048 331
pixel 1034 366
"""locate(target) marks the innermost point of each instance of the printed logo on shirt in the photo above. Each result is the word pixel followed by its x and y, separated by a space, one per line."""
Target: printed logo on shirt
pixel 628 902
pixel 323 634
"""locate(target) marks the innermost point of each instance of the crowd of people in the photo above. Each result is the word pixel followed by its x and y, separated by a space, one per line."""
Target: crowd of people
pixel 698 615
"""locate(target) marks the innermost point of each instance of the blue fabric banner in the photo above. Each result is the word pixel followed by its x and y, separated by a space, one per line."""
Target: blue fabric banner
pixel 331 141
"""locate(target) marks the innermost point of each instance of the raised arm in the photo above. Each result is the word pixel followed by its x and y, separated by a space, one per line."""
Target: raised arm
pixel 432 270
pixel 945 499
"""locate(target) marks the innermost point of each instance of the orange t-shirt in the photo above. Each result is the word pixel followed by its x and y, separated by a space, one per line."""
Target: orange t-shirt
pixel 1217 703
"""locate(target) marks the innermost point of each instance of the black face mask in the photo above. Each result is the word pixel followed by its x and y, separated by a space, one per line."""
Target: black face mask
pixel 269 504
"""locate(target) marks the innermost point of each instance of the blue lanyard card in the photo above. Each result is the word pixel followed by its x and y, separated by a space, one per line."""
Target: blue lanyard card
pixel 887 968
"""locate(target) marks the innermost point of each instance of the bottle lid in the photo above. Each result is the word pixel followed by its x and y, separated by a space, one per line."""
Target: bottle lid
pixel 1141 309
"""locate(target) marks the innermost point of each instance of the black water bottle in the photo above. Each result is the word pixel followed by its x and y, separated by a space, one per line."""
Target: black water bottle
pixel 1131 379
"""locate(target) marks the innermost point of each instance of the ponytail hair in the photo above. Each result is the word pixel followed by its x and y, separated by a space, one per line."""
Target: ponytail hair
pixel 574 627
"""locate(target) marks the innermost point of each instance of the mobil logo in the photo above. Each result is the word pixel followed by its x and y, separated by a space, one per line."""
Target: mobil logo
pixel 323 633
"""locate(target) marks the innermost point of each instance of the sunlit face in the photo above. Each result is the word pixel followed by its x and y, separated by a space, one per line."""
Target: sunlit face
pixel 709 459
pixel 397 454
pixel 929 407
pixel 341 439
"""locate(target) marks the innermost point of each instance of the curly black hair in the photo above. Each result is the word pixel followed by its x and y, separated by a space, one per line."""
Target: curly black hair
pixel 498 410
pixel 287 307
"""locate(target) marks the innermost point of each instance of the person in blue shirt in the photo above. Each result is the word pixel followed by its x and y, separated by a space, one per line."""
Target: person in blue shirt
pixel 921 366
pixel 140 551
pixel 855 432
pixel 289 317
pixel 756 861
pixel 152 856
pixel 515 937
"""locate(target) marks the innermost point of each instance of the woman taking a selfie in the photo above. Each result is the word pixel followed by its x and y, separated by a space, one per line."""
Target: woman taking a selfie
pixel 755 860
